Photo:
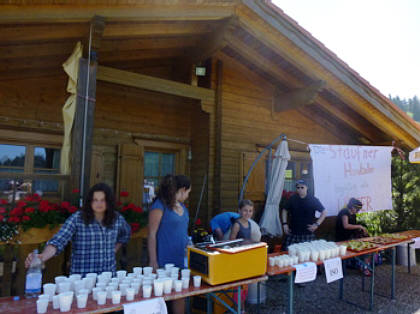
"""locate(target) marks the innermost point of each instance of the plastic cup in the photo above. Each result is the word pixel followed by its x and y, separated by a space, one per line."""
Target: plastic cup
pixel 178 285
pixel 343 249
pixel 101 297
pixel 59 279
pixel 73 277
pixel 167 285
pixel 185 282
pixel 65 299
pixel 158 287
pixel 101 285
pixel 137 270
pixel 185 273
pixel 123 288
pixel 169 266
pixel 64 286
pixel 121 274
pixel 44 297
pixel 147 291
pixel 90 282
pixel 41 305
pixel 147 282
pixel 55 302
pixel 147 270
pixel 116 297
pixel 314 255
pixel 107 274
pixel 95 293
pixel 136 287
pixel 109 290
pixel 197 281
pixel 130 294
pixel 49 288
pixel 78 285
pixel 81 300
pixel 272 261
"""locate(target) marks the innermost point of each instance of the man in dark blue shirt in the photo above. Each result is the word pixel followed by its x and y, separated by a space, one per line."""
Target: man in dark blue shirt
pixel 301 209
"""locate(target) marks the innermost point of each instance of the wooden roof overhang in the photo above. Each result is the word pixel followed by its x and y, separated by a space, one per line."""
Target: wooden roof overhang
pixel 37 37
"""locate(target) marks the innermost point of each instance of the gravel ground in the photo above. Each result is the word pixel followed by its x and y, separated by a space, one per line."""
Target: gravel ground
pixel 320 297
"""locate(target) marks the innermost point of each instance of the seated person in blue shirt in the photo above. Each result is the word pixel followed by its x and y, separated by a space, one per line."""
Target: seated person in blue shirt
pixel 96 232
pixel 221 223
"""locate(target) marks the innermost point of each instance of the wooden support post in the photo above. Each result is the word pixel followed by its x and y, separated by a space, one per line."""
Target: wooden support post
pixel 217 200
pixel 77 133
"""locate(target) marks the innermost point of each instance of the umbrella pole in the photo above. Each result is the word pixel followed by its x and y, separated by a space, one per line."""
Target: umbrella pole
pixel 282 136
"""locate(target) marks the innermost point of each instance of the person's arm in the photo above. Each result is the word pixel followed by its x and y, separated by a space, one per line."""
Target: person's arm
pixel 346 225
pixel 48 252
pixel 219 234
pixel 234 232
pixel 286 228
pixel 321 218
pixel 58 242
pixel 155 216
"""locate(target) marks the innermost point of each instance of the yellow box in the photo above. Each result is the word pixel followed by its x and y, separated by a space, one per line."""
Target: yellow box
pixel 216 267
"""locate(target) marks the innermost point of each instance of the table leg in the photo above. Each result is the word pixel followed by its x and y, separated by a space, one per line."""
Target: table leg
pixel 239 300
pixel 409 258
pixel 363 282
pixel 372 281
pixel 258 297
pixel 209 304
pixel 393 274
pixel 291 296
pixel 341 289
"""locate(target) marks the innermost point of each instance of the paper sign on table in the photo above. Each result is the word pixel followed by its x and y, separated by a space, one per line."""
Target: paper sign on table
pixel 333 269
pixel 305 272
pixel 416 244
pixel 152 306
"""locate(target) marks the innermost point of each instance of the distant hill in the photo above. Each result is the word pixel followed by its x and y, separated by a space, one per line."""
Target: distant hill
pixel 411 106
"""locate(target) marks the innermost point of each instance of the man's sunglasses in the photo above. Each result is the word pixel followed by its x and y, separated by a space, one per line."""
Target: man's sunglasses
pixel 300 187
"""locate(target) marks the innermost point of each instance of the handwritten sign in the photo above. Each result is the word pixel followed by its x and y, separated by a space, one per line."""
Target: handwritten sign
pixel 305 272
pixel 416 244
pixel 345 171
pixel 152 306
pixel 333 269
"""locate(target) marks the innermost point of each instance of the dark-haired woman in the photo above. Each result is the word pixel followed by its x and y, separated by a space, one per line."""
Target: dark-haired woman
pixel 96 233
pixel 168 226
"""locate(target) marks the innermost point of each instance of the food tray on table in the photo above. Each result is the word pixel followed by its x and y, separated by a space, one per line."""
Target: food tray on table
pixel 387 239
pixel 359 246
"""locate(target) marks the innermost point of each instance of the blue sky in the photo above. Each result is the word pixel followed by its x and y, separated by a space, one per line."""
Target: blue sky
pixel 379 39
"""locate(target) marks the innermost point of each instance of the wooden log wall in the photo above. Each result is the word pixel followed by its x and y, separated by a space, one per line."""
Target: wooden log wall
pixel 248 120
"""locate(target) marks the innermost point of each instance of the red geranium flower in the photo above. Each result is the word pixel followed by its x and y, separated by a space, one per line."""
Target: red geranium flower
pixel 2 210
pixel 26 218
pixel 72 209
pixel 138 210
pixel 14 219
pixel 198 222
pixel 3 201
pixel 65 205
pixel 135 226
pixel 21 204
pixel 17 211
pixel 29 210
pixel 44 206
pixel 75 191
pixel 123 194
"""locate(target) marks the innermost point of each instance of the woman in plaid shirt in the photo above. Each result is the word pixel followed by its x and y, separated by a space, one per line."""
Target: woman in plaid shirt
pixel 96 232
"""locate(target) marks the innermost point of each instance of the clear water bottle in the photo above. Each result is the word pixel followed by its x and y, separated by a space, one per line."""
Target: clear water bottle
pixel 190 243
pixel 34 277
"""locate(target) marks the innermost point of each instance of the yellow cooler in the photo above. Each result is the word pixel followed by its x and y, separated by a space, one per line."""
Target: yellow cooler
pixel 226 264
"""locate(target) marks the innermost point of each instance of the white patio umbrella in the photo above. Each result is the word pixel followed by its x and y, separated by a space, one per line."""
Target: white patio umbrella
pixel 270 221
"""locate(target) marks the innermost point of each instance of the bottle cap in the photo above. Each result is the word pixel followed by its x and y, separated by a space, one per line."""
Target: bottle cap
pixel 16 298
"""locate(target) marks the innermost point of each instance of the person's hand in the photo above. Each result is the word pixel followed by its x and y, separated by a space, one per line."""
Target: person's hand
pixel 286 229
pixel 364 230
pixel 154 264
pixel 29 259
pixel 312 227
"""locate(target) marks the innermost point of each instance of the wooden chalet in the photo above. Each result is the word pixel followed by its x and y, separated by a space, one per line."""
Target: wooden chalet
pixel 149 113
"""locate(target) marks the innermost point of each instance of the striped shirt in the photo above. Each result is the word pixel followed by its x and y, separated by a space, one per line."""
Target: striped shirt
pixel 93 245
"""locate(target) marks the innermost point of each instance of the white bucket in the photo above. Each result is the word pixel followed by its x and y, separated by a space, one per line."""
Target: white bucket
pixel 252 297
pixel 402 255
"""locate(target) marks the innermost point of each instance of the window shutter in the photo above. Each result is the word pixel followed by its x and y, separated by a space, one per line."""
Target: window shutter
pixel 130 170
pixel 97 166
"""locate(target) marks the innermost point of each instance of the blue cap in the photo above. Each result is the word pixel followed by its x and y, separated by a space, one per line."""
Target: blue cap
pixel 301 182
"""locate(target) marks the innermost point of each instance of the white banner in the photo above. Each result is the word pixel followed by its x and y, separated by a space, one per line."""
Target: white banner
pixel 345 171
